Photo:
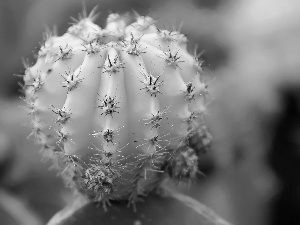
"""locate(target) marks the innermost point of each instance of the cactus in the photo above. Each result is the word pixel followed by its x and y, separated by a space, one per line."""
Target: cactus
pixel 116 108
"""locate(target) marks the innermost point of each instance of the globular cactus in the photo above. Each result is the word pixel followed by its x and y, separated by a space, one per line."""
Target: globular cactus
pixel 116 108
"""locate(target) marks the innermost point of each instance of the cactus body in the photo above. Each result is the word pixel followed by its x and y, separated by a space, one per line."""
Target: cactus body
pixel 116 108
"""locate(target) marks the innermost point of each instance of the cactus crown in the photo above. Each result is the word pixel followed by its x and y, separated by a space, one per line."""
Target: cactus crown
pixel 116 108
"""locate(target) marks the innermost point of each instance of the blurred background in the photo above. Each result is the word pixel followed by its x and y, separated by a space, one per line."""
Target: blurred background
pixel 252 65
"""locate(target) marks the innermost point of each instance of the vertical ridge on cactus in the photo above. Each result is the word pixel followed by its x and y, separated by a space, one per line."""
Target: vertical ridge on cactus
pixel 118 108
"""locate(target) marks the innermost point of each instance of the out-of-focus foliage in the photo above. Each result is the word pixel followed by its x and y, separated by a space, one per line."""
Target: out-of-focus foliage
pixel 251 47
pixel 252 98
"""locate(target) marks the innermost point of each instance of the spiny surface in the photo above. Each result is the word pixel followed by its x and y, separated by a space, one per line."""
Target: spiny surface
pixel 116 108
